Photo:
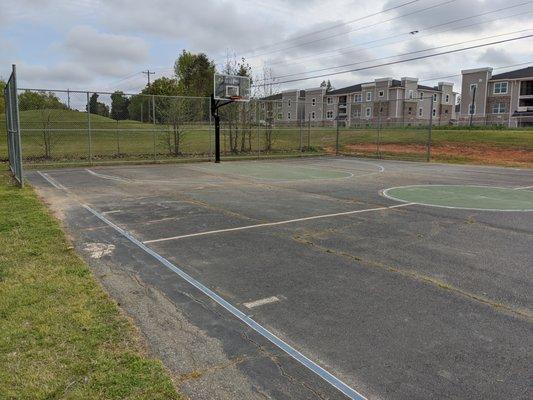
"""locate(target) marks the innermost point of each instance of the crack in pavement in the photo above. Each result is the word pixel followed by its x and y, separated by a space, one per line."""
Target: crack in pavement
pixel 523 313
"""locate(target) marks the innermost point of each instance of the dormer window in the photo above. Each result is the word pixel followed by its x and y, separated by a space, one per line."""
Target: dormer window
pixel 381 93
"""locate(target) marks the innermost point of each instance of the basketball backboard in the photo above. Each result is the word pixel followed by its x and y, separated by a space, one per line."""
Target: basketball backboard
pixel 231 87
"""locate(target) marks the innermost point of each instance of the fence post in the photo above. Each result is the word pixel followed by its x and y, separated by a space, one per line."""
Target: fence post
pixel 301 134
pixel 428 153
pixel 309 132
pixel 378 144
pixel 89 139
pixel 154 122
pixel 17 155
pixel 337 137
pixel 118 140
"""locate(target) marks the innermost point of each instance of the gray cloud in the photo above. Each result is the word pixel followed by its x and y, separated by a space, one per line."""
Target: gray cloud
pixel 494 56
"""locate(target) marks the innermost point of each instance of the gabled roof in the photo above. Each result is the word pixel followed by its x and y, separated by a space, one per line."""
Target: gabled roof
pixel 276 96
pixel 516 74
pixel 423 87
pixel 346 90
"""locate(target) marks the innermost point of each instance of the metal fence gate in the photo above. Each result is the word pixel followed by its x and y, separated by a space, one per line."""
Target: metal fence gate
pixel 13 127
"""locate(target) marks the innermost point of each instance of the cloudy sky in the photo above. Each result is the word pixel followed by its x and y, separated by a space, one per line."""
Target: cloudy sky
pixel 104 45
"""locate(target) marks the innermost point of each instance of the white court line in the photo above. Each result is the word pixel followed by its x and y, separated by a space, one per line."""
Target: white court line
pixel 524 188
pixel 111 177
pixel 52 181
pixel 261 302
pixel 385 193
pixel 289 221
pixel 260 329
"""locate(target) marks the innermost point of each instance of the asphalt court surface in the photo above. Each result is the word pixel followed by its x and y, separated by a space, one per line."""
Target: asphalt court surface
pixel 394 299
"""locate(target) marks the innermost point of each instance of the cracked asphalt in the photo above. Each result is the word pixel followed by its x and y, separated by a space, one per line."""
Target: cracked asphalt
pixel 402 303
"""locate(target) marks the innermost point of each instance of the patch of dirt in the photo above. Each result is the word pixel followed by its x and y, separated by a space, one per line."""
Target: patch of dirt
pixel 467 152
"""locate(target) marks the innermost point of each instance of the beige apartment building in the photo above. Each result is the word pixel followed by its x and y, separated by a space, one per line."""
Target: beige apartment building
pixel 502 99
pixel 385 101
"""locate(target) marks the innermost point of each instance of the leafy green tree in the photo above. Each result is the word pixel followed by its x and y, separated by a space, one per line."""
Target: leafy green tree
pixel 96 107
pixel 140 107
pixel 195 74
pixel 119 106
pixel 31 100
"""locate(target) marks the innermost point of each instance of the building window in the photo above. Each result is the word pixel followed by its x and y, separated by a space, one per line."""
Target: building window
pixel 358 98
pixel 420 112
pixel 434 112
pixel 280 116
pixel 410 94
pixel 357 113
pixel 280 105
pixel 262 106
pixel 381 93
pixel 368 96
pixel 289 115
pixel 289 102
pixel 421 96
pixel 329 115
pixel 434 97
pixel 499 108
pixel 409 110
pixel 313 114
pixel 473 86
pixel 526 88
pixel 471 109
pixel 500 88
pixel 368 112
pixel 330 100
pixel 447 99
pixel 313 102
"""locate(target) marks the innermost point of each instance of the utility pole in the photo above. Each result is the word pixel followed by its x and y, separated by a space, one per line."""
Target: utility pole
pixel 148 73
pixel 68 99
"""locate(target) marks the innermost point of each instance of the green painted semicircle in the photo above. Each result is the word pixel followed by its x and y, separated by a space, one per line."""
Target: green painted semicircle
pixel 464 196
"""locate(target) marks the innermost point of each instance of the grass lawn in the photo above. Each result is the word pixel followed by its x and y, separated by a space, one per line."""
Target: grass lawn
pixel 133 140
pixel 61 336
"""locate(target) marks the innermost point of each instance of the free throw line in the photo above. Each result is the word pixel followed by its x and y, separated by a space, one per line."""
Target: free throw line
pixel 289 221
pixel 306 362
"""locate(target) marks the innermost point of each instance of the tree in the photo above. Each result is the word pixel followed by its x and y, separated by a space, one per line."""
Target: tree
pixel 326 85
pixel 195 74
pixel 119 106
pixel 31 100
pixel 96 107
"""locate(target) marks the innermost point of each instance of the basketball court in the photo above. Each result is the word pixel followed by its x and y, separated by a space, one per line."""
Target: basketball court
pixel 328 277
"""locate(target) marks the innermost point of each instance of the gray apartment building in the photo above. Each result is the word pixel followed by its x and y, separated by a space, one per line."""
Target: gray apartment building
pixel 385 101
pixel 502 99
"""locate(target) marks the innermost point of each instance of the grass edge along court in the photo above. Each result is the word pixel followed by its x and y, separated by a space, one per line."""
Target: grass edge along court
pixel 61 336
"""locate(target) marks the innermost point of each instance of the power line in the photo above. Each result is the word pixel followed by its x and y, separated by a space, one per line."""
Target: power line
pixel 400 55
pixel 354 30
pixel 331 27
pixel 406 60
pixel 342 49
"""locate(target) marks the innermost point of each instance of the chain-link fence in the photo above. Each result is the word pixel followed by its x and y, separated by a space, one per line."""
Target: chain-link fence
pixel 86 127
pixel 13 140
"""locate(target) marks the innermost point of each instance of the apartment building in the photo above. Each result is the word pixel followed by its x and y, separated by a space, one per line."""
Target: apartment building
pixel 385 101
pixel 389 101
pixel 502 99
